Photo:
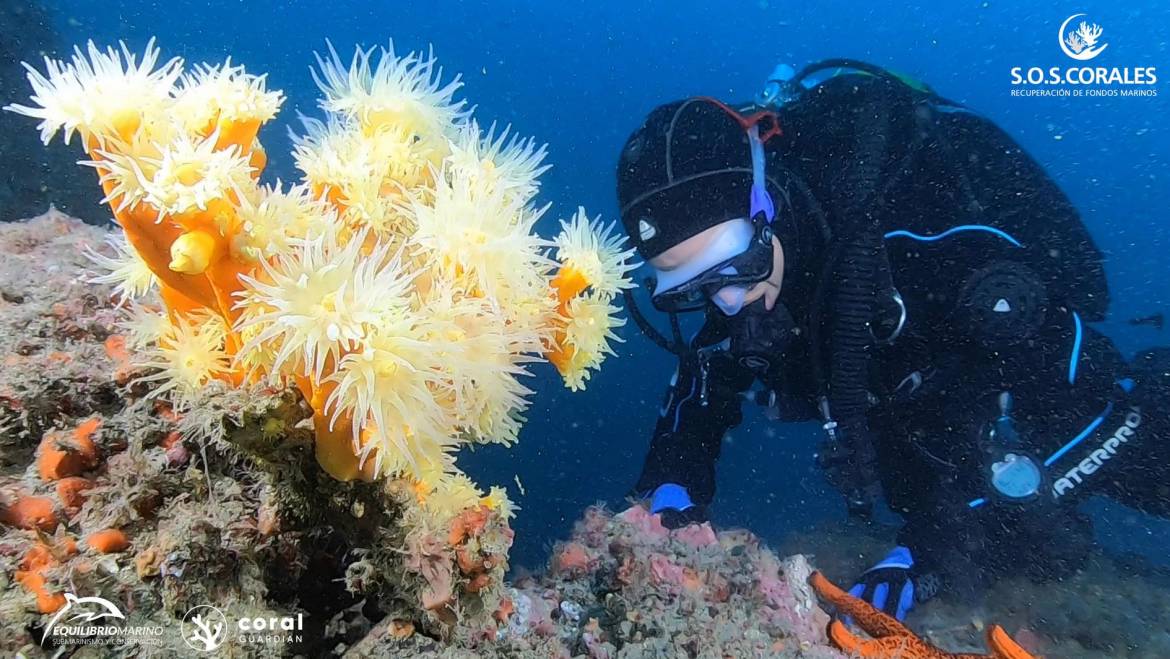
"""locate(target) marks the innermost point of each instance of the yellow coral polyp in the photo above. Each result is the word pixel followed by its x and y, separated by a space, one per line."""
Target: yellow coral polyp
pixel 191 252
pixel 101 95
pixel 188 356
pixel 126 271
pixel 592 251
pixel 193 172
pixel 380 88
pixel 227 101
pixel 320 301
pixel 512 164
pixel 401 286
pixel 144 326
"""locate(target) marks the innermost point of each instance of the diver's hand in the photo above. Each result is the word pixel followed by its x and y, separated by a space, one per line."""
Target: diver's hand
pixel 893 586
pixel 672 503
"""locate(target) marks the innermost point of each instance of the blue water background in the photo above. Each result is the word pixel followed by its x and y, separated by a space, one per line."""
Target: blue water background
pixel 581 75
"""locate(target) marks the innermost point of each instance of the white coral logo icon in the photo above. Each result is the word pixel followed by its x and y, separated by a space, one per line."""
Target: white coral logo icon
pixel 1081 43
pixel 1089 34
pixel 204 628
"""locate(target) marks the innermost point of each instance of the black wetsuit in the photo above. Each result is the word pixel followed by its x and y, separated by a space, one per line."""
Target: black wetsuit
pixel 1001 304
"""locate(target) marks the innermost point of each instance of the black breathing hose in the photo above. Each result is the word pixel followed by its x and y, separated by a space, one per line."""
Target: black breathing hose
pixel 854 303
pixel 648 329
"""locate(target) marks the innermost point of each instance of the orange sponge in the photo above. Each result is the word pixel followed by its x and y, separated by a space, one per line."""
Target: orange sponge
pixel 60 456
pixel 108 541
pixel 29 512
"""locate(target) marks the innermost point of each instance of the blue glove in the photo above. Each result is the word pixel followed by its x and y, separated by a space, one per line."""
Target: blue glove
pixel 889 585
pixel 670 496
pixel 673 504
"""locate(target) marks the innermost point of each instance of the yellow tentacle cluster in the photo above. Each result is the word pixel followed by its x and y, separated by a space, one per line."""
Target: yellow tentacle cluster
pixel 401 286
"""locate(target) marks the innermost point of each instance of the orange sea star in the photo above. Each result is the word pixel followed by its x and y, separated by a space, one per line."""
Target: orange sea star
pixel 891 639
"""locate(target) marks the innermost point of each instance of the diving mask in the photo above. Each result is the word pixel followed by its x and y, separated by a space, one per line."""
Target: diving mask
pixel 722 282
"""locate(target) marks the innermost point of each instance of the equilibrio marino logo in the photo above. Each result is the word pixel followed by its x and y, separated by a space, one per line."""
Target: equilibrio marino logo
pixel 1082 38
pixel 96 621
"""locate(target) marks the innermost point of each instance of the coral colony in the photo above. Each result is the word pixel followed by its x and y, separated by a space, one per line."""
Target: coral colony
pixel 399 286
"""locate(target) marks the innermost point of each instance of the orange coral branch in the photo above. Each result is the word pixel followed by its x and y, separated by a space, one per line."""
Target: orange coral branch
pixel 569 283
pixel 334 446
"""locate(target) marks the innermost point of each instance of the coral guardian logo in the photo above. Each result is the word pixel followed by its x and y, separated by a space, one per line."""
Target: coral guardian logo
pixel 277 629
pixel 205 629
pixel 1082 39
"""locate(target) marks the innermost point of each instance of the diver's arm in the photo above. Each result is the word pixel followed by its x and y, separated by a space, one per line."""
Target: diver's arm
pixel 1138 467
pixel 1126 456
pixel 698 410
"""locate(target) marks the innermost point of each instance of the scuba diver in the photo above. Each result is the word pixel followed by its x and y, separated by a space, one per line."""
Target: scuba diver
pixel 871 255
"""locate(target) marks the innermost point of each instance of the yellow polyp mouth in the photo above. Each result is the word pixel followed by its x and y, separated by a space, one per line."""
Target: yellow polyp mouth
pixel 126 123
pixel 189 174
pixel 375 120
pixel 191 252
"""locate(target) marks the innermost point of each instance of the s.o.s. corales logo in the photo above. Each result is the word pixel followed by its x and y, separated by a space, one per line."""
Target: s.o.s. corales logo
pixel 1081 43
pixel 1081 39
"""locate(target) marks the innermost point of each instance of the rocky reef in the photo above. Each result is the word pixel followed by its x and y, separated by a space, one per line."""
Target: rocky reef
pixel 624 586
pixel 106 492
